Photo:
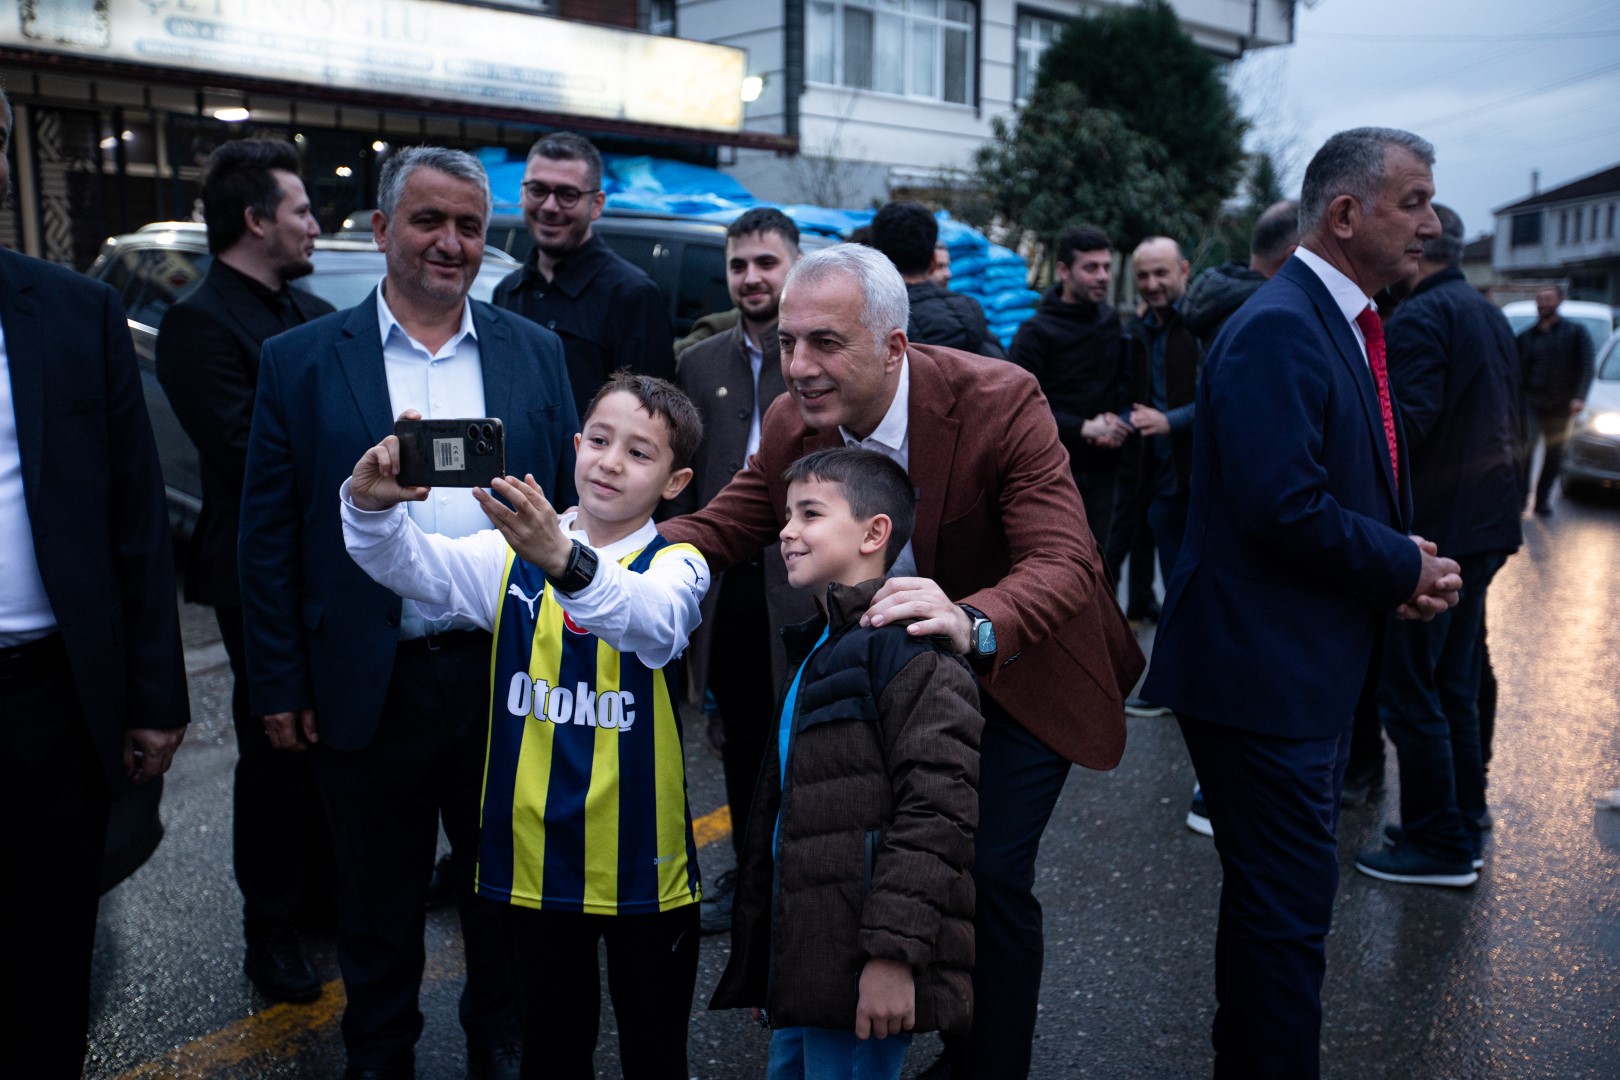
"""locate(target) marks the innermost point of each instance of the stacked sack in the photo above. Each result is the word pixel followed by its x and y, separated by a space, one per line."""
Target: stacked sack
pixel 997 277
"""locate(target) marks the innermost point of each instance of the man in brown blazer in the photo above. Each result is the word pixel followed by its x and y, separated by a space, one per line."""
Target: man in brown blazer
pixel 733 377
pixel 1001 562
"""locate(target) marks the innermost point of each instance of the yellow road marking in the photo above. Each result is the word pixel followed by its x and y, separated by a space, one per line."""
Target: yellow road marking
pixel 712 826
pixel 281 1032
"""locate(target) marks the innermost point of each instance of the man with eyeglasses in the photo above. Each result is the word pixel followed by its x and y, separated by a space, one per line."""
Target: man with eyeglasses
pixel 607 311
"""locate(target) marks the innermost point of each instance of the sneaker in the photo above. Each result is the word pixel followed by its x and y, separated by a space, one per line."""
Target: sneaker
pixel 275 963
pixel 1198 815
pixel 1394 833
pixel 1408 866
pixel 1138 707
pixel 714 910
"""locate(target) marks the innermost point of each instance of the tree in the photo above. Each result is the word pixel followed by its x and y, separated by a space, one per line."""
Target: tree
pixel 1139 63
pixel 1065 161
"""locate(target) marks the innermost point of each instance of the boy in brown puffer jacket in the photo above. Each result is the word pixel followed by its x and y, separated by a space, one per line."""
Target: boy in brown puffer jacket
pixel 853 923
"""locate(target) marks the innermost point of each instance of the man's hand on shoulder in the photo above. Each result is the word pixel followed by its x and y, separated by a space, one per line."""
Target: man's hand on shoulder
pixel 1439 582
pixel 888 999
pixel 921 599
pixel 374 484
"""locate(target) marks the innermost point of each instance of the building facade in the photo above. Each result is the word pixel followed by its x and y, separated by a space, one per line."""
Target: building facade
pixel 1568 233
pixel 887 95
pixel 119 102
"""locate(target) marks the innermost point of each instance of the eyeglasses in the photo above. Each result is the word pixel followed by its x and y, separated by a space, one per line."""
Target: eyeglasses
pixel 566 197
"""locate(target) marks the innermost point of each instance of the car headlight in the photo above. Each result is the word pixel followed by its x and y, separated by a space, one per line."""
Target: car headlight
pixel 1606 423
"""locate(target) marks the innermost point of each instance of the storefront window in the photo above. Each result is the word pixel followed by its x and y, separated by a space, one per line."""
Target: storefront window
pixel 919 48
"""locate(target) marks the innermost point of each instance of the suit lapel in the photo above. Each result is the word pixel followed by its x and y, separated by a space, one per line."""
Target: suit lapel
pixel 1354 360
pixel 25 357
pixel 931 434
pixel 500 381
pixel 359 353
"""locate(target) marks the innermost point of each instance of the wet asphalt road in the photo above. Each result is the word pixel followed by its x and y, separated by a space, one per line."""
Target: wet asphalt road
pixel 1517 977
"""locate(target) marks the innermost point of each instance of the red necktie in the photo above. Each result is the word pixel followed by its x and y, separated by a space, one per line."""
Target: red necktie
pixel 1373 330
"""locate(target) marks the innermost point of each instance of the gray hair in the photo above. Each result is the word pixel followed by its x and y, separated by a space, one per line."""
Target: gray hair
pixel 885 305
pixel 1448 246
pixel 1352 163
pixel 457 163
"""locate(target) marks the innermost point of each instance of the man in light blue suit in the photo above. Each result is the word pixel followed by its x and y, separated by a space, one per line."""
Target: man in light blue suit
pixel 392 706
pixel 1296 549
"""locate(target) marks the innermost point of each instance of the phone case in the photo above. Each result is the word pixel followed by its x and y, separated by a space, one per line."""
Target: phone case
pixel 469 452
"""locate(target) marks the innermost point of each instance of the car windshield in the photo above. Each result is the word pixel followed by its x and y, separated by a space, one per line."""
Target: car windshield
pixel 344 278
pixel 1599 329
pixel 1609 367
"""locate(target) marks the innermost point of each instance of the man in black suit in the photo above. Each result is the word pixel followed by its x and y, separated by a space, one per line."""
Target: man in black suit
pixel 261 233
pixel 1454 371
pixel 392 707
pixel 92 682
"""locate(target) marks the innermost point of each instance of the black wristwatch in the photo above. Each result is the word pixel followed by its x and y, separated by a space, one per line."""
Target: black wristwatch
pixel 981 636
pixel 580 571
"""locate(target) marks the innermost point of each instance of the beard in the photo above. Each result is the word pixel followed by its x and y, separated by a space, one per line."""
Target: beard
pixel 295 269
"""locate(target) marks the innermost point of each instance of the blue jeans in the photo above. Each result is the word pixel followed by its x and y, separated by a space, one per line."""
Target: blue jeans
pixel 817 1053
pixel 1429 703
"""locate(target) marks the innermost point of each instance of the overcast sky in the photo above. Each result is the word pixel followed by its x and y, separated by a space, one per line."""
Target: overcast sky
pixel 1500 87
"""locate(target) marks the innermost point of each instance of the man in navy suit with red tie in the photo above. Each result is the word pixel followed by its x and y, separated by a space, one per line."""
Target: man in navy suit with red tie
pixel 1296 550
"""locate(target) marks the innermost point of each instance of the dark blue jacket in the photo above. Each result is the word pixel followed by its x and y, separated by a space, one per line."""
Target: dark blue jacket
pixel 1454 370
pixel 1296 548
pixel 320 633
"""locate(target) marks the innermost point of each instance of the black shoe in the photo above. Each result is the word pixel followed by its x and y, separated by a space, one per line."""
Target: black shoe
pixel 503 1061
pixel 277 966
pixel 442 889
pixel 1407 865
pixel 714 910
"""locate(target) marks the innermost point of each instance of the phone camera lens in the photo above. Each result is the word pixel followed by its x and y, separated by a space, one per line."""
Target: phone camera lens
pixel 472 431
pixel 481 447
pixel 489 431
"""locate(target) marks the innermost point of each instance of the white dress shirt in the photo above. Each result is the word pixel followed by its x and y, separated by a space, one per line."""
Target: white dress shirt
pixel 25 610
pixel 892 439
pixel 650 614
pixel 440 385
pixel 1346 293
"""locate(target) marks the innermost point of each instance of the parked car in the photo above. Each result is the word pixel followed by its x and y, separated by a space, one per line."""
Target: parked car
pixel 161 263
pixel 685 256
pixel 1596 319
pixel 1592 455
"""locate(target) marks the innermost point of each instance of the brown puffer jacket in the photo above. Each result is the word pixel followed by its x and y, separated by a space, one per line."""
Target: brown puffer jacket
pixel 877 822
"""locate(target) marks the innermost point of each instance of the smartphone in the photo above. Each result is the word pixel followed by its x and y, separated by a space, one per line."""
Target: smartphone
pixel 470 452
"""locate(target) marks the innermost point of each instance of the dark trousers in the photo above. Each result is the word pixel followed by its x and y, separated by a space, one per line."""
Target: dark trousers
pixel 1553 429
pixel 740 679
pixel 1129 535
pixel 1167 519
pixel 1019 784
pixel 280 844
pixel 1274 803
pixel 652 969
pixel 384 804
pixel 1429 704
pixel 57 798
pixel 1487 695
pixel 1097 495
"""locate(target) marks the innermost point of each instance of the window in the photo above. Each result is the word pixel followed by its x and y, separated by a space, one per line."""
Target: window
pixel 1036 33
pixel 1591 230
pixel 656 17
pixel 1526 231
pixel 1575 234
pixel 1608 230
pixel 920 48
pixel 1563 226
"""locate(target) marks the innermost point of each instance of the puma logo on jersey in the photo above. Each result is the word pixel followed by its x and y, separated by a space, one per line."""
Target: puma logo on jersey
pixel 513 590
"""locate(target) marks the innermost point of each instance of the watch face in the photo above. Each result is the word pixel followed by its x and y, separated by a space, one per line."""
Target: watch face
pixel 984 638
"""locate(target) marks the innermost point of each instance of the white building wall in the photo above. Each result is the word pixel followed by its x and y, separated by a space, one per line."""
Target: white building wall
pixel 1550 252
pixel 856 144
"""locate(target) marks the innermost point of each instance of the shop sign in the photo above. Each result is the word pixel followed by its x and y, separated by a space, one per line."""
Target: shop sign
pixel 415 48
